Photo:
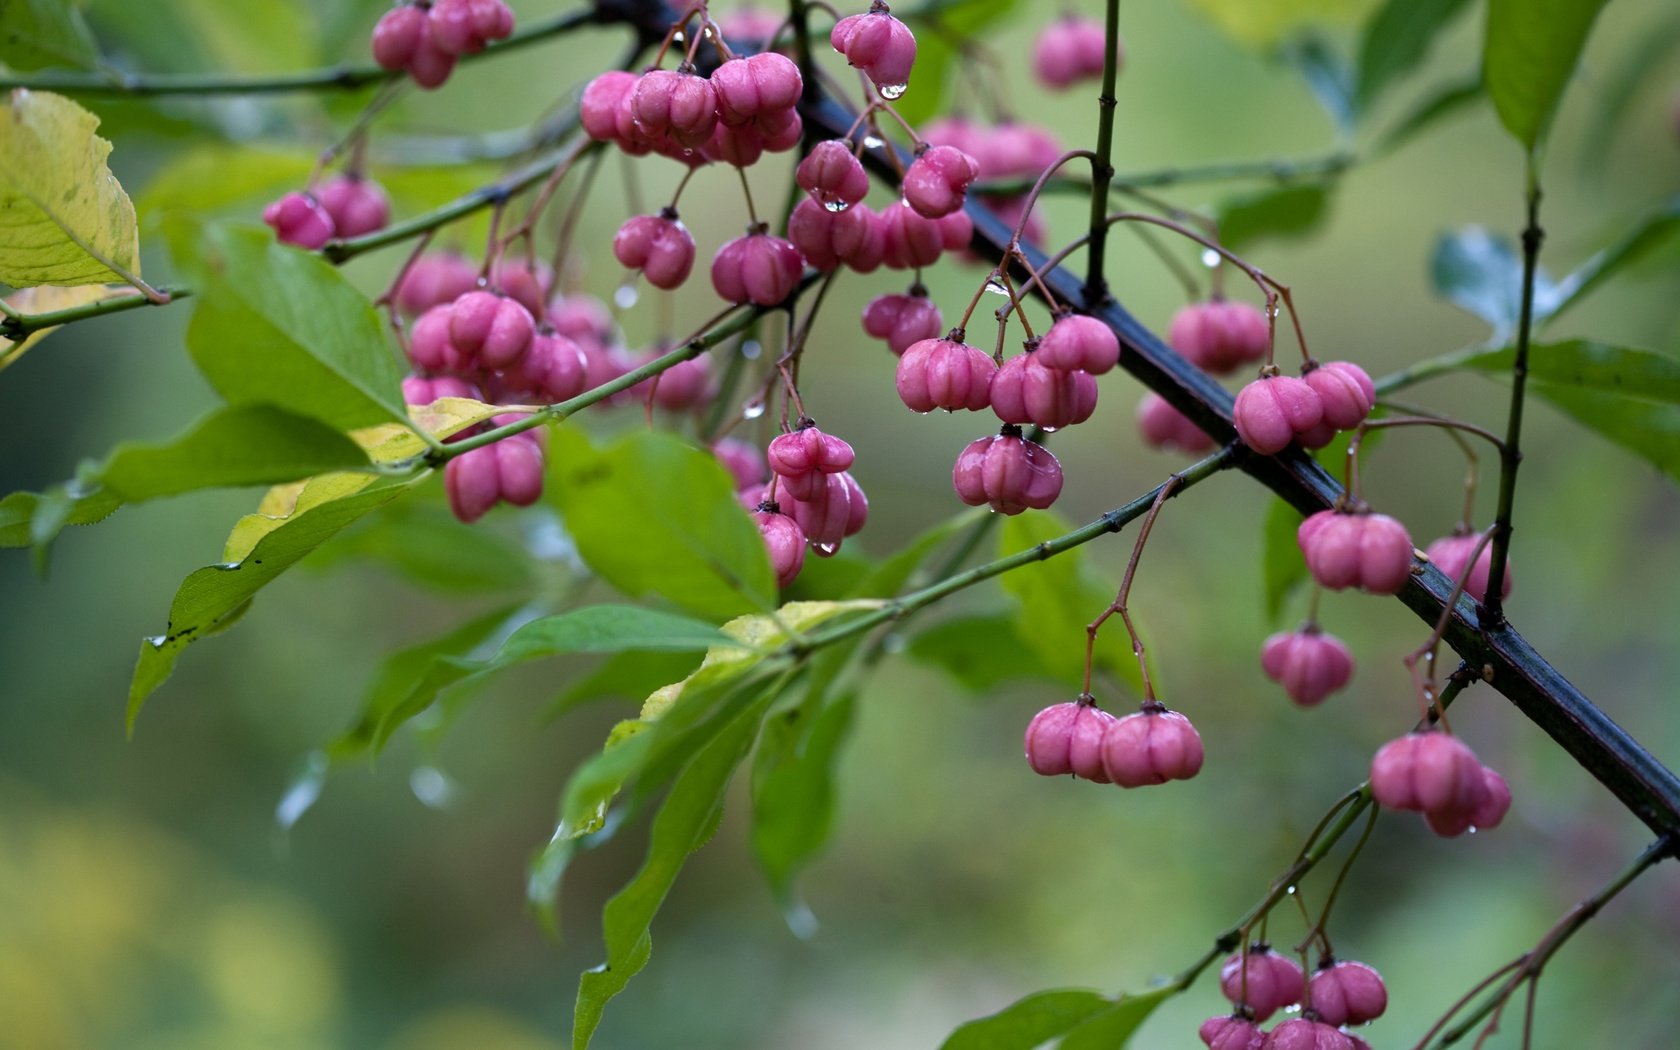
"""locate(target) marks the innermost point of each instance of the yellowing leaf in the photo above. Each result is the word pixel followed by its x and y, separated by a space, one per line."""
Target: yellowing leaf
pixel 1264 23
pixel 47 299
pixel 64 219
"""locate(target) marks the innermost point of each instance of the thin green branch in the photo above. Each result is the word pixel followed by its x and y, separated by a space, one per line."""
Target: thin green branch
pixel 16 326
pixel 332 78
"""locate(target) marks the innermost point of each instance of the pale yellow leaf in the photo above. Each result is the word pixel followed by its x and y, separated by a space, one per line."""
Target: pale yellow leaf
pixel 47 299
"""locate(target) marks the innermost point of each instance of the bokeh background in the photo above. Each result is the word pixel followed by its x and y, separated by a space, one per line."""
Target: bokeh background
pixel 149 899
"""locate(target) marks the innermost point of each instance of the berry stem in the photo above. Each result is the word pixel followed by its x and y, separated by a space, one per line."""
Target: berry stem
pixel 1119 604
pixel 1423 678
pixel 1102 165
pixel 1281 171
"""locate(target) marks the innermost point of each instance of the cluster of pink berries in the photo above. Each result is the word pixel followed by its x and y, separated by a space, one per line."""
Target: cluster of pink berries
pixel 1219 337
pixel 1152 745
pixel 1436 774
pixel 1260 982
pixel 345 206
pixel 425 37
pixel 743 109
pixel 509 470
pixel 1009 151
pixel 1275 409
pixel 879 45
pixel 1069 50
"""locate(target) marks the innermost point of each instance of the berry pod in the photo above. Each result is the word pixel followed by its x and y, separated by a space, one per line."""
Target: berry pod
pixel 783 539
pixel 1302 1033
pixel 1165 427
pixel 1231 1032
pixel 434 279
pixel 1151 746
pixel 298 219
pixel 760 89
pixel 757 268
pixel 1071 49
pixel 944 373
pixel 937 181
pixel 1272 411
pixel 676 104
pixel 493 329
pixel 1220 336
pixel 1078 343
pixel 658 245
pixel 1025 391
pixel 1372 552
pixel 1345 391
pixel 1346 992
pixel 1008 472
pixel 902 320
pixel 832 174
pixel 397 36
pixel 828 239
pixel 1309 664
pixel 1427 772
pixel 880 45
pixel 357 205
pixel 1452 554
pixel 1262 980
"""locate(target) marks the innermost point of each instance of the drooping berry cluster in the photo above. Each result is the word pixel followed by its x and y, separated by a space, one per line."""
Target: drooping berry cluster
pixel 1152 745
pixel 424 38
pixel 1260 982
pixel 347 206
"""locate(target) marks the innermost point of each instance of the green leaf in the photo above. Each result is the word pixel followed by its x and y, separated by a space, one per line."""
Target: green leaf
pixel 685 822
pixel 1441 104
pixel 253 36
pixel 1057 598
pixel 980 652
pixel 1029 1022
pixel 282 326
pixel 1262 24
pixel 213 598
pixel 1581 364
pixel 64 219
pixel 1288 211
pixel 936 51
pixel 1618 83
pixel 39 33
pixel 1529 53
pixel 1112 1027
pixel 429 546
pixel 1650 429
pixel 793 788
pixel 231 447
pixel 1645 235
pixel 1281 565
pixel 652 515
pixel 623 676
pixel 30 518
pixel 1396 40
pixel 1327 76
pixel 1482 273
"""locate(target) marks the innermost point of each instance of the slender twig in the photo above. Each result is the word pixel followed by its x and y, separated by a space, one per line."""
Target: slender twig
pixel 333 78
pixel 15 325
pixel 1119 605
pixel 1102 165
pixel 1277 170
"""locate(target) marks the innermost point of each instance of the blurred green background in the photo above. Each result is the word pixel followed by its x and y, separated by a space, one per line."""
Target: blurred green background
pixel 148 900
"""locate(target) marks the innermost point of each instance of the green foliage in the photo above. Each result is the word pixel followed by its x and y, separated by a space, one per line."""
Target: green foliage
pixel 980 652
pixel 1529 54
pixel 1288 211
pixel 1396 40
pixel 431 548
pixel 937 50
pixel 653 515
pixel 1328 77
pixel 1435 107
pixel 280 326
pixel 1482 273
pixel 64 219
pixel 1639 241
pixel 1085 1020
pixel 1281 565
pixel 39 33
pixel 250 36
pixel 1266 23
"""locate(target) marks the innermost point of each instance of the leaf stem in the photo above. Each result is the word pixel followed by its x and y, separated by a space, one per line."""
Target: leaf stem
pixel 15 325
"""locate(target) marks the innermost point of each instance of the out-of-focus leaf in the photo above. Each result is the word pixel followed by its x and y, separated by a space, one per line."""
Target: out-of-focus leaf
pixel 793 786
pixel 1261 24
pixel 1112 1027
pixel 652 515
pixel 1482 273
pixel 624 676
pixel 39 33
pixel 48 298
pixel 253 36
pixel 430 547
pixel 1435 107
pixel 64 219
pixel 1057 598
pixel 980 652
pixel 33 519
pixel 936 52
pixel 1623 371
pixel 1645 235
pixel 280 326
pixel 1282 567
pixel 212 598
pixel 1327 76
pixel 1619 82
pixel 1650 429
pixel 232 447
pixel 1029 1022
pixel 1396 40
pixel 686 822
pixel 825 578
pixel 1288 211
pixel 1529 53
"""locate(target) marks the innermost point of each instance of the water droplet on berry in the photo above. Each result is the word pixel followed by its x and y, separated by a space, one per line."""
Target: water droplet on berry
pixel 753 410
pixel 751 349
pixel 827 550
pixel 835 204
pixel 1210 258
pixel 626 296
pixel 892 91
pixel 873 142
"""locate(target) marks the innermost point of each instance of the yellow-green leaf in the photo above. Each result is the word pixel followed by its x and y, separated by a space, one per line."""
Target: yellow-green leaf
pixel 1265 23
pixel 64 219
pixel 47 299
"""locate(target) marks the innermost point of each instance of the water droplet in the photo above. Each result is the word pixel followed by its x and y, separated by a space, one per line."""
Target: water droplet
pixel 754 410
pixel 1049 430
pixel 679 37
pixel 1210 258
pixel 894 643
pixel 892 91
pixel 1290 891
pixel 826 550
pixel 996 287
pixel 158 641
pixel 626 296
pixel 432 786
pixel 835 204
pixel 304 791
pixel 751 349
pixel 873 142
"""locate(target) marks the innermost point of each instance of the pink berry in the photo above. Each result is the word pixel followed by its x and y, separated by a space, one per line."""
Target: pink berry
pixel 680 105
pixel 1272 410
pixel 750 25
pixel 1014 150
pixel 880 45
pixel 1231 1033
pixel 944 373
pixel 397 36
pixel 683 386
pixel 1070 49
pixel 1347 993
pixel 1220 336
pixel 527 281
pixel 420 390
pixel 1090 727
pixel 472 483
pixel 492 328
pixel 434 279
pixel 357 205
pixel 1372 552
pixel 601 100
pixel 829 238
pixel 581 317
pixel 429 345
pixel 463 27
pixel 554 369
pixel 1025 391
pixel 1008 472
pixel 1303 1034
pixel 750 89
pixel 744 462
pixel 1427 772
pixel 1263 980
pixel 1486 814
pixel 1165 427
pixel 431 64
pixel 937 181
pixel 902 320
pixel 299 219
pixel 835 509
pixel 519 467
pixel 1082 343
pixel 914 241
pixel 1309 664
pixel 1346 392
pixel 757 268
pixel 1151 746
pixel 833 175
pixel 809 450
pixel 1451 554
pixel 784 540
pixel 1049 737
pixel 658 245
pixel 960 132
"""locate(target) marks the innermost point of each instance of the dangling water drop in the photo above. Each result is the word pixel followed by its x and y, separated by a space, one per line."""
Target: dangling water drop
pixel 751 349
pixel 626 295
pixel 996 287
pixel 826 550
pixel 891 92
pixel 835 204
pixel 873 142
pixel 1210 258
pixel 753 410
